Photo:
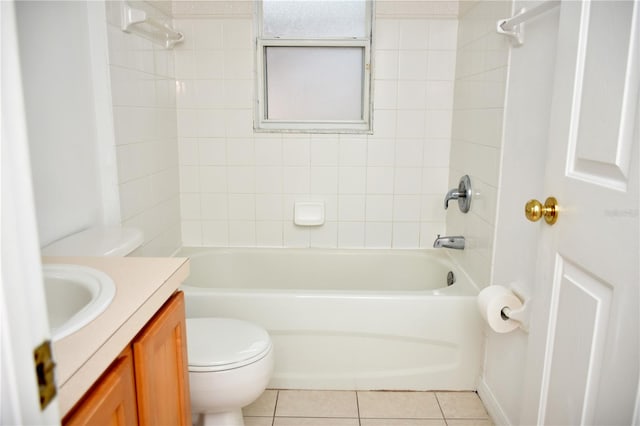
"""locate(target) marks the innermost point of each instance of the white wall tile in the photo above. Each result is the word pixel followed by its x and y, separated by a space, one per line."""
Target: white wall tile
pixel 324 151
pixel 353 152
pixel 441 65
pixel 351 208
pixel 406 208
pixel 237 33
pixel 238 64
pixel 190 206
pixel 209 64
pixel 387 33
pixel 268 180
pixel 384 123
pixel 412 94
pixel 189 155
pixel 409 152
pixel 411 124
pixel 268 151
pixel 406 235
pixel 242 207
pixel 240 152
pixel 443 34
pixel 269 234
pixel 269 207
pixel 214 207
pixel 429 231
pixel 380 153
pixel 439 95
pixel 385 94
pixel 296 151
pixel 212 152
pixel 414 34
pixel 206 34
pixel 325 236
pixel 379 234
pixel 352 180
pixel 296 180
pixel 189 179
pixel 412 65
pixel 212 179
pixel 379 208
pixel 323 180
pixel 191 233
pixel 407 180
pixel 239 122
pixel 386 65
pixel 295 236
pixel 242 233
pixel 380 180
pixel 351 234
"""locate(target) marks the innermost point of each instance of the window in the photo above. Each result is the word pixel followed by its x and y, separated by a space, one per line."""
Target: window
pixel 314 66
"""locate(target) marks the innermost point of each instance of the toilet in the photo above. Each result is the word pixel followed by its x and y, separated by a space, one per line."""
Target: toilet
pixel 97 241
pixel 230 364
pixel 230 361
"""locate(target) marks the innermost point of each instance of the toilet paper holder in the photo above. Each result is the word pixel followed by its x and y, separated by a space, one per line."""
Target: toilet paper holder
pixel 521 314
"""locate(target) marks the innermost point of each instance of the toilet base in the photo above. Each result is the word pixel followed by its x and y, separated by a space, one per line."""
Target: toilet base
pixel 228 418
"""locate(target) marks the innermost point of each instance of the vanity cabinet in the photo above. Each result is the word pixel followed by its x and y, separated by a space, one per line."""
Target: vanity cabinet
pixel 112 401
pixel 149 382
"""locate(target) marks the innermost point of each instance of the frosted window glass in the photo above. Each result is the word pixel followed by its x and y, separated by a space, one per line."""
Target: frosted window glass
pixel 316 19
pixel 314 83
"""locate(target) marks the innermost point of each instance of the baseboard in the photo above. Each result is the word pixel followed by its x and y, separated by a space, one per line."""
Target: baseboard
pixel 497 414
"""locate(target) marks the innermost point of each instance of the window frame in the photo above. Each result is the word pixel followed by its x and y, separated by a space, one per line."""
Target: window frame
pixel 264 124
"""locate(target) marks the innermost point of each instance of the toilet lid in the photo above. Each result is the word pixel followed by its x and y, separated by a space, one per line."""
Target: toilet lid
pixel 223 343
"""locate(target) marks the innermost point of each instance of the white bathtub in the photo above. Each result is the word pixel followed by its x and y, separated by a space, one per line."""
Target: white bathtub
pixel 347 319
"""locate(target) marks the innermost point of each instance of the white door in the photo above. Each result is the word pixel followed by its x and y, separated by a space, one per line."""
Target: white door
pixel 23 319
pixel 584 356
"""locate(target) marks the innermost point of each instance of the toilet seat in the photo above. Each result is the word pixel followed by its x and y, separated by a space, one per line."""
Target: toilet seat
pixel 219 344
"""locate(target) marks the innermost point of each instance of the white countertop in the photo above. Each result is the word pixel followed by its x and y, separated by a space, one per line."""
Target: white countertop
pixel 143 284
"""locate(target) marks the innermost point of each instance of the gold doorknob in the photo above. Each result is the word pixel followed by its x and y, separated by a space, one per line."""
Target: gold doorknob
pixel 534 210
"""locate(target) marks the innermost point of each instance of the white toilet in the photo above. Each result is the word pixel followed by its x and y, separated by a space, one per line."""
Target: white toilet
pixel 230 364
pixel 97 241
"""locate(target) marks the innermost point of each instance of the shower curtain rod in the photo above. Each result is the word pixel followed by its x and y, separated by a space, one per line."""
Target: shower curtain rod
pixel 513 28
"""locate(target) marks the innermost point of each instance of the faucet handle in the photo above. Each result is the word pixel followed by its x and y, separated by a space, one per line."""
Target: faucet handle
pixel 462 193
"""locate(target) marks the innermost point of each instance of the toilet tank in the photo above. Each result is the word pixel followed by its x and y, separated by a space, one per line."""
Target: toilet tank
pixel 98 241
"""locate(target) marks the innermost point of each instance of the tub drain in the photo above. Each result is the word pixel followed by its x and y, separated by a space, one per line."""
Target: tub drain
pixel 451 278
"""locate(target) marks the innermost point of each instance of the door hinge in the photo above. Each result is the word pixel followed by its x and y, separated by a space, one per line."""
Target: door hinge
pixel 44 366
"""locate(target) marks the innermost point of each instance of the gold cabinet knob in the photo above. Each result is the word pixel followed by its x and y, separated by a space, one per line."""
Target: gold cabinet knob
pixel 534 210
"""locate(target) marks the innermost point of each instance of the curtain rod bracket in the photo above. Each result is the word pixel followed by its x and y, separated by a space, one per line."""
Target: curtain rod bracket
pixel 516 34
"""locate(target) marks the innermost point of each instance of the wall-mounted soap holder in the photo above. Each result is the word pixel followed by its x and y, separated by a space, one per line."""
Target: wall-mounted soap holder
pixel 462 193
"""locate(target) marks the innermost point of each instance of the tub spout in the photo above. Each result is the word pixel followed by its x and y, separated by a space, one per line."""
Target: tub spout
pixel 456 242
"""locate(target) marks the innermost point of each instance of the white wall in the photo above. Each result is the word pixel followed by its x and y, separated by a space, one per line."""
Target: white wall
pixel 58 85
pixel 528 104
pixel 499 139
pixel 381 190
pixel 144 111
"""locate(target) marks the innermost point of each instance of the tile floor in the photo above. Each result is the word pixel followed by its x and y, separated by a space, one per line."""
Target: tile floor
pixel 350 408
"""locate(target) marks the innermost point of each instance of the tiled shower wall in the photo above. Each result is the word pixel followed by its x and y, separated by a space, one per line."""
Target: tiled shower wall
pixel 144 109
pixel 238 188
pixel 481 75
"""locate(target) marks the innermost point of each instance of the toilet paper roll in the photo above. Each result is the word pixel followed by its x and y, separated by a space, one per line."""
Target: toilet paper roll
pixel 491 301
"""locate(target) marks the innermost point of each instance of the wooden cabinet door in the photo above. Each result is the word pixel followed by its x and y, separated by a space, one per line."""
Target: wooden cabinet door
pixel 113 399
pixel 162 377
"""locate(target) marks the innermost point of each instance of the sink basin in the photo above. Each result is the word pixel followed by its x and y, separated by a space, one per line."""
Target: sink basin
pixel 75 295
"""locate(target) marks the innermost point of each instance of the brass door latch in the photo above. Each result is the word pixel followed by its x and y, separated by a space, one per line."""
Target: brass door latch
pixel 44 366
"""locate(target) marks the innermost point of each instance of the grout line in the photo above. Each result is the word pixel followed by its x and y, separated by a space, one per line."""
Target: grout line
pixel 440 407
pixel 275 407
pixel 358 408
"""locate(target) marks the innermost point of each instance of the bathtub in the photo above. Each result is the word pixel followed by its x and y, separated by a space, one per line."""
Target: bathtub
pixel 347 319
